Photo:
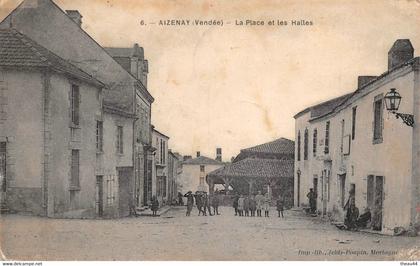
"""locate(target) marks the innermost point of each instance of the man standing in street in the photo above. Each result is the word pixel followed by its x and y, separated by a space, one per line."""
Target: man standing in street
pixel 215 203
pixel 235 203
pixel 199 202
pixel 312 200
pixel 260 203
pixel 190 202
pixel 206 204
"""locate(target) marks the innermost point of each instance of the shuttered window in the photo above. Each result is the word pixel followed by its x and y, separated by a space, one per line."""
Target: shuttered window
pixel 377 120
pixel 75 104
pixel 99 136
pixel 298 147
pixel 3 166
pixel 314 142
pixel 327 138
pixel 75 169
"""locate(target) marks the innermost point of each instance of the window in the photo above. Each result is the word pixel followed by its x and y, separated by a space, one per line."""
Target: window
pixel 314 141
pixel 305 147
pixel 3 166
pixel 120 138
pixel 99 136
pixel 353 124
pixel 377 120
pixel 327 138
pixel 75 104
pixel 298 147
pixel 342 135
pixel 75 161
pixel 202 168
pixel 162 151
pixel 110 189
pixel 164 185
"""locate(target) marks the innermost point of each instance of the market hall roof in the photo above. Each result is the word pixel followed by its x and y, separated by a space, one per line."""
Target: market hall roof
pixel 281 145
pixel 256 168
pixel 18 50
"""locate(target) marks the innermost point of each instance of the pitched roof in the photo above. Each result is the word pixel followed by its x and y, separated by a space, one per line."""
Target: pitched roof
pixel 281 146
pixel 256 168
pixel 18 50
pixel 324 107
pixel 126 52
pixel 202 160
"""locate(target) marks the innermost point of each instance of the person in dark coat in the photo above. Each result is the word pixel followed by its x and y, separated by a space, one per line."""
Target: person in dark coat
pixel 199 202
pixel 364 219
pixel 252 206
pixel 180 199
pixel 246 206
pixel 312 200
pixel 190 202
pixel 206 204
pixel 280 207
pixel 155 205
pixel 235 204
pixel 352 215
pixel 215 203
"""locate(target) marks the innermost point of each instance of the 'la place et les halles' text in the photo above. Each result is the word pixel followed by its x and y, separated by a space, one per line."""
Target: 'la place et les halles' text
pixel 237 22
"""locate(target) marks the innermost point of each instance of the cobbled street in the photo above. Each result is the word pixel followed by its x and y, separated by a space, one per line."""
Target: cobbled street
pixel 176 237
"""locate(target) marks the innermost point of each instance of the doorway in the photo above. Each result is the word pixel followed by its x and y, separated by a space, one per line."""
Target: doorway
pixel 315 184
pixel 298 188
pixel 342 179
pixel 124 193
pixel 99 196
pixel 375 190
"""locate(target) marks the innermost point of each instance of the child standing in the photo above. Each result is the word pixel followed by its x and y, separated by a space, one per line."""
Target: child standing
pixel 280 207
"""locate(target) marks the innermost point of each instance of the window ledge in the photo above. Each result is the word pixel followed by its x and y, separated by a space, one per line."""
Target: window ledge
pixel 377 141
pixel 74 126
pixel 74 188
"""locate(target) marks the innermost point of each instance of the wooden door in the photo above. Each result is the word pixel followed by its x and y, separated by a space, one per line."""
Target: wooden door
pixel 99 196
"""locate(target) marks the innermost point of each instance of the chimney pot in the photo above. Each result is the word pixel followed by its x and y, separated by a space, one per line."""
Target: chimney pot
pixel 219 154
pixel 401 51
pixel 75 16
pixel 198 154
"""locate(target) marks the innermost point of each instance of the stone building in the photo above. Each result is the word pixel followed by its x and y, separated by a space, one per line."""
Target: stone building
pixel 159 185
pixel 132 59
pixel 114 180
pixel 353 145
pixel 174 173
pixel 195 170
pixel 49 114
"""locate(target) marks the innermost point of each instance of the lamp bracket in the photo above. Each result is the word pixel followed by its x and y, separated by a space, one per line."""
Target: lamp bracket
pixel 406 118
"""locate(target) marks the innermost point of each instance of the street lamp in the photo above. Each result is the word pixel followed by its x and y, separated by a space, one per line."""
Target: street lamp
pixel 392 102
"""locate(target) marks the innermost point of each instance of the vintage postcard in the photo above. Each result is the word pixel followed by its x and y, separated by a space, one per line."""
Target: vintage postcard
pixel 209 130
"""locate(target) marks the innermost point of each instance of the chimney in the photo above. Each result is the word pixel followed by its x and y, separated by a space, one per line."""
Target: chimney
pixel 219 154
pixel 186 157
pixel 198 154
pixel 363 80
pixel 401 52
pixel 75 16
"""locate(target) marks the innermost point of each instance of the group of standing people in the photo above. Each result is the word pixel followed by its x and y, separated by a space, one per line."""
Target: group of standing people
pixel 204 203
pixel 249 205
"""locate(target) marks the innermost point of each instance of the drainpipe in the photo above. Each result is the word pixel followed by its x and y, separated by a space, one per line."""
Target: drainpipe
pixel 415 175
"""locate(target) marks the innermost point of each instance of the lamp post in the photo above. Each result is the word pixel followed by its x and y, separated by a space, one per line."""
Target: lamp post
pixel 392 102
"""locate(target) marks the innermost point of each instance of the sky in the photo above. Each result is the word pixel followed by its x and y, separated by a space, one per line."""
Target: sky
pixel 237 86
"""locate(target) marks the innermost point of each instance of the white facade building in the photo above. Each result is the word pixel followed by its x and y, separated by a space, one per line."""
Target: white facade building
pixel 352 143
